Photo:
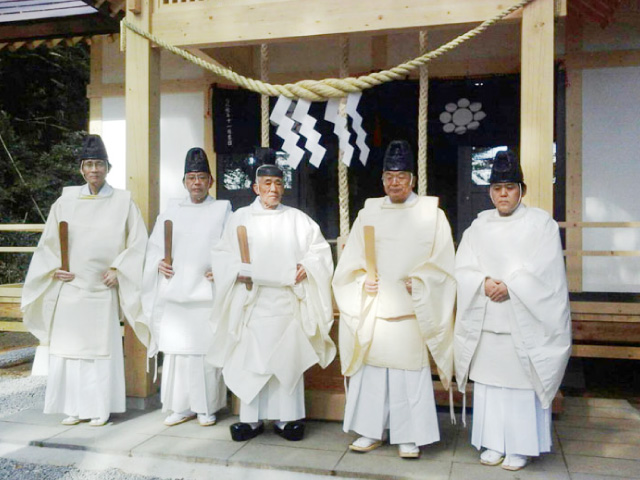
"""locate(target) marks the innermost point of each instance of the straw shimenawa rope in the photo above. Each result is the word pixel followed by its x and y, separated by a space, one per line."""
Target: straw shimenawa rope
pixel 319 90
pixel 343 174
pixel 264 99
pixel 423 109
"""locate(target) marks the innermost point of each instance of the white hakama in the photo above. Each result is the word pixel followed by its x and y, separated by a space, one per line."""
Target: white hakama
pixel 400 401
pixel 274 403
pixel 190 383
pixel 509 421
pixel 87 388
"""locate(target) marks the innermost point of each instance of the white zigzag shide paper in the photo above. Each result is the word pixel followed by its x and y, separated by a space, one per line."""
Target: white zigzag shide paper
pixel 353 99
pixel 331 114
pixel 285 131
pixel 307 129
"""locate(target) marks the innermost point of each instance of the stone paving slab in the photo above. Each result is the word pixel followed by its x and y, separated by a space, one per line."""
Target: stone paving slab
pixel 603 423
pixel 192 429
pixel 289 458
pixel 586 476
pixel 603 466
pixel 594 440
pixel 34 416
pixel 319 435
pixel 190 449
pixel 631 437
pixel 28 434
pixel 463 471
pixel 597 402
pixel 608 412
pixel 97 439
pixel 392 467
pixel 597 449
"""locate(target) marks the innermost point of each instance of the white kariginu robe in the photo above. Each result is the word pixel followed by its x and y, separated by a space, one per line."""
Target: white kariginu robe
pixel 265 338
pixel 79 321
pixel 523 343
pixel 178 309
pixel 395 330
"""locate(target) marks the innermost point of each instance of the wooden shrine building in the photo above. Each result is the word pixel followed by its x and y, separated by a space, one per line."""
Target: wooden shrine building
pixel 557 80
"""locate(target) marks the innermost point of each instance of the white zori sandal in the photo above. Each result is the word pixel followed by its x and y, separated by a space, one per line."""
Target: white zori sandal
pixel 491 458
pixel 408 450
pixel 176 418
pixel 98 422
pixel 365 444
pixel 514 462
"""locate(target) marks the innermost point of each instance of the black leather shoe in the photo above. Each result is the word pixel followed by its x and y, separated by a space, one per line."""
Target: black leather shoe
pixel 292 431
pixel 243 431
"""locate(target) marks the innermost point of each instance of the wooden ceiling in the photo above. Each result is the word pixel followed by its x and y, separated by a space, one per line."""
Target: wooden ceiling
pixel 26 21
pixel 598 11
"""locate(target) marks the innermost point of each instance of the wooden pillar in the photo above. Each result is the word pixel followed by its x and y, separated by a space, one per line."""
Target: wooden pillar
pixel 536 120
pixel 142 103
pixel 573 47
pixel 95 81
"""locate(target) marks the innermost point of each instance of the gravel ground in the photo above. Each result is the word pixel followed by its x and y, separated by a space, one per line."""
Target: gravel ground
pixel 20 393
pixel 13 470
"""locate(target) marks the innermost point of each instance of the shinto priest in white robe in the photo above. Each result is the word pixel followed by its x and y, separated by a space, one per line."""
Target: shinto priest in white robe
pixel 178 309
pixel 79 321
pixel 265 338
pixel 516 351
pixel 385 338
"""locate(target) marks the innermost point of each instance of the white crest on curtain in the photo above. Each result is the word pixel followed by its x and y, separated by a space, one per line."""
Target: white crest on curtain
pixel 461 116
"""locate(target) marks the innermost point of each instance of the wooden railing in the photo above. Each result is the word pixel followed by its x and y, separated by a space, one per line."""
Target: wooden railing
pixel 600 329
pixel 11 294
pixel 603 329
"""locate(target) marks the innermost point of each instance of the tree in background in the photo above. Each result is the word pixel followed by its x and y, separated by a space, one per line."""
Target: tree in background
pixel 43 115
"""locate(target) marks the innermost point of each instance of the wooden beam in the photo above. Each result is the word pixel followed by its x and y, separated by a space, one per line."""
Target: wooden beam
pixel 134 6
pixel 596 317
pixel 602 253
pixel 572 225
pixel 61 27
pixel 536 106
pixel 95 78
pixel 379 52
pixel 605 351
pixel 142 104
pixel 12 327
pixel 22 227
pixel 611 308
pixel 229 22
pixel 605 332
pixel 166 86
pixel 606 59
pixel 17 249
pixel 573 126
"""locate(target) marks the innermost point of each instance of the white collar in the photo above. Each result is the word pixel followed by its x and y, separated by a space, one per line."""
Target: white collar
pixel 105 191
pixel 412 198
pixel 188 203
pixel 257 205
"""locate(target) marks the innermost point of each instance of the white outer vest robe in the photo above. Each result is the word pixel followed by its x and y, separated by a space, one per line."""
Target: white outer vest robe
pixel 525 252
pixel 75 318
pixel 412 241
pixel 278 328
pixel 179 308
